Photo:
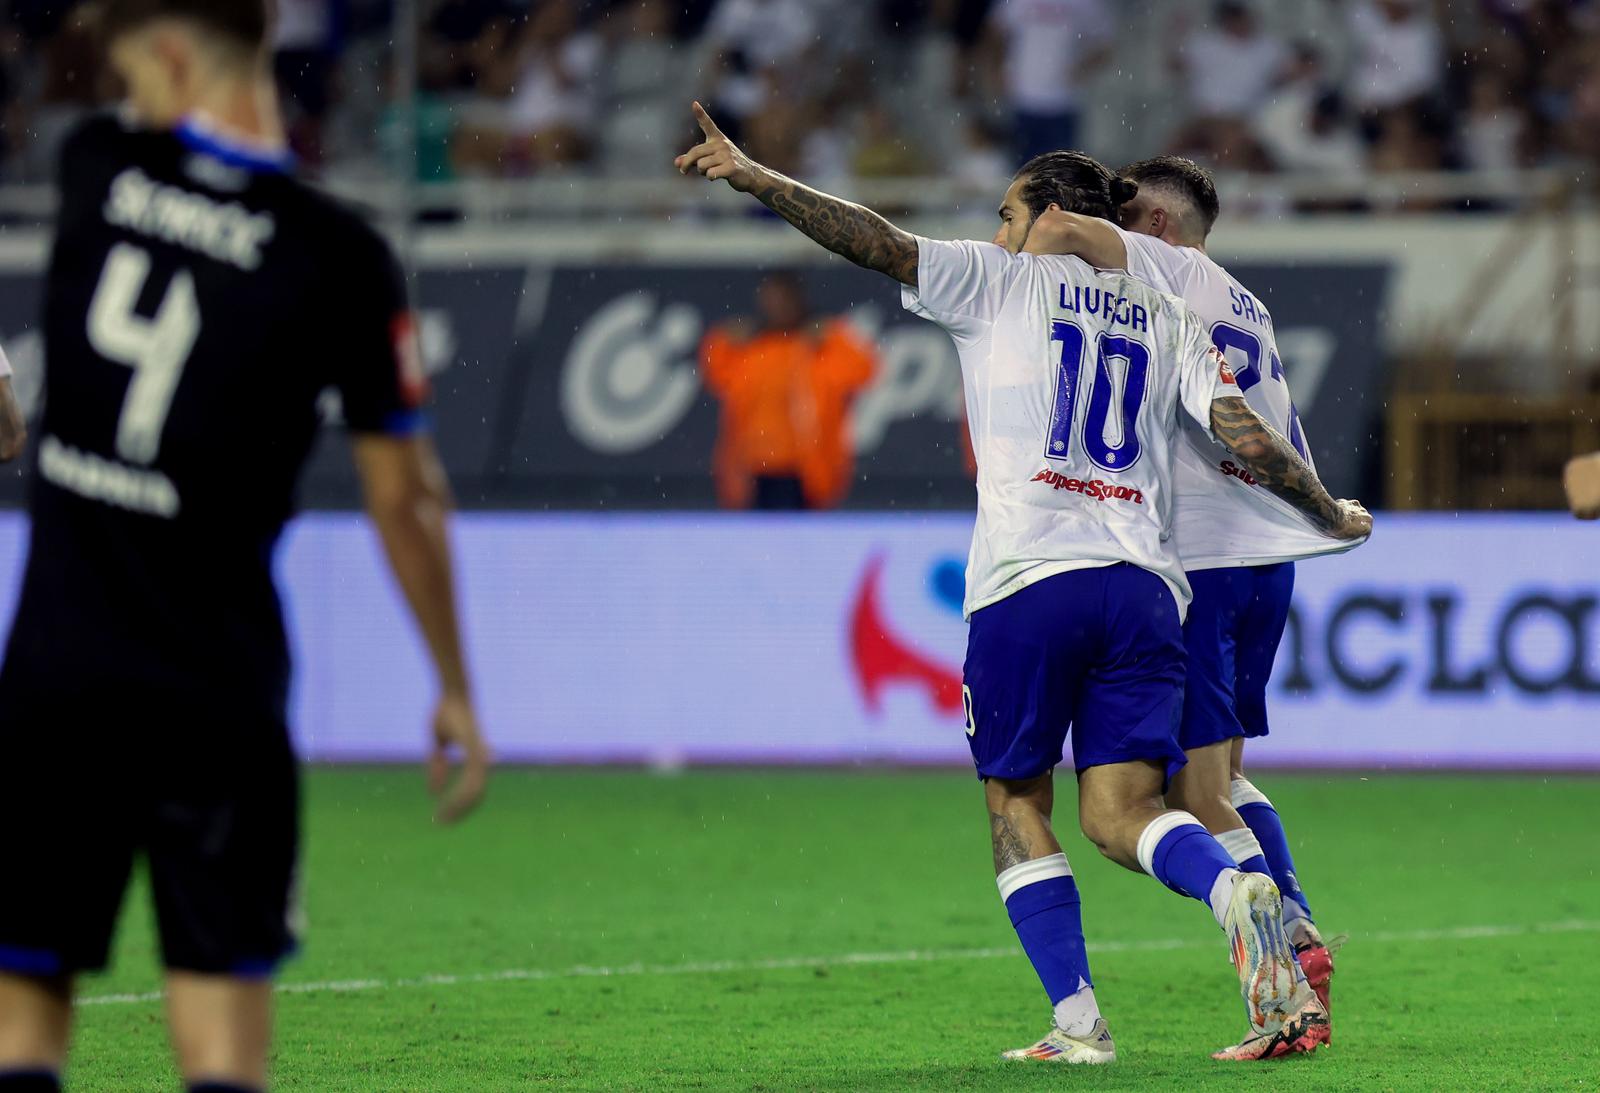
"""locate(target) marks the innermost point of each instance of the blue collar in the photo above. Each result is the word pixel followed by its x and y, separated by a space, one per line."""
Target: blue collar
pixel 199 138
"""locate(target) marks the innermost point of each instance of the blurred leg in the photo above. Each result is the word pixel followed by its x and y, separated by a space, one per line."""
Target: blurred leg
pixel 221 1028
pixel 35 1026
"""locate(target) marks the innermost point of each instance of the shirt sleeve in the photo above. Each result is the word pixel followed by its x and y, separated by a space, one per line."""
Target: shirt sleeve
pixel 961 285
pixel 1162 266
pixel 1203 372
pixel 377 356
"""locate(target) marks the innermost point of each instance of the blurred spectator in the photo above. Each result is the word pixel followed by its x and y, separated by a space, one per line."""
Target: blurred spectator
pixel 1494 129
pixel 306 52
pixel 983 160
pixel 965 23
pixel 786 385
pixel 1406 143
pixel 1231 63
pixel 432 131
pixel 1579 125
pixel 883 151
pixel 1044 50
pixel 71 82
pixel 462 39
pixel 841 89
pixel 643 108
pixel 1224 144
pixel 1399 54
pixel 1305 127
pixel 554 101
pixel 754 43
pixel 826 150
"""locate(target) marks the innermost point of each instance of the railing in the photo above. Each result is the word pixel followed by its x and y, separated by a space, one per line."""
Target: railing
pixel 666 196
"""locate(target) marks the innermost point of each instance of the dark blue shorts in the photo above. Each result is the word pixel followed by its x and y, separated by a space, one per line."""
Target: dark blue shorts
pixel 1232 634
pixel 1098 651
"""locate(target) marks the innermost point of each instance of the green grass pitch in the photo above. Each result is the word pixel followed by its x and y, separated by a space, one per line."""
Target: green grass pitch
pixel 758 927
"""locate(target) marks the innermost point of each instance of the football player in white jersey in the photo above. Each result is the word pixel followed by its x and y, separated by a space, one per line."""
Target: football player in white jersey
pixel 1075 385
pixel 13 429
pixel 1238 542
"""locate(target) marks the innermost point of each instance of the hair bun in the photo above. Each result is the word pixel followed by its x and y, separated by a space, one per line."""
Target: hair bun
pixel 1123 190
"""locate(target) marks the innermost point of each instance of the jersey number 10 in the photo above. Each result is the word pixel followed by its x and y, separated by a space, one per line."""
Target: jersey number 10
pixel 1105 400
pixel 156 349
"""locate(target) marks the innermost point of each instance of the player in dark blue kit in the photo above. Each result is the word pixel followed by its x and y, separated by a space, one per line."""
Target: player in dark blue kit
pixel 200 301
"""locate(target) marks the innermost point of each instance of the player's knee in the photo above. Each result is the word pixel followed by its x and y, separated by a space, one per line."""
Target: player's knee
pixel 1100 828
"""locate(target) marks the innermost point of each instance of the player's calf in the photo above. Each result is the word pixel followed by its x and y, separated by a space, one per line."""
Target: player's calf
pixel 35 1023
pixel 1041 898
pixel 221 1029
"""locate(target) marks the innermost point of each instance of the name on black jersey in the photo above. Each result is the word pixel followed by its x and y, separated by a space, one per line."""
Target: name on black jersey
pixel 150 493
pixel 227 232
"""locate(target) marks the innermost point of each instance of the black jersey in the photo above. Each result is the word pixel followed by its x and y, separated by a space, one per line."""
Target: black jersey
pixel 200 303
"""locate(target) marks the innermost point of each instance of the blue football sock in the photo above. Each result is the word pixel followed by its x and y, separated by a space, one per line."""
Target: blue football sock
pixel 1245 851
pixel 1042 899
pixel 29 1081
pixel 1184 856
pixel 1257 811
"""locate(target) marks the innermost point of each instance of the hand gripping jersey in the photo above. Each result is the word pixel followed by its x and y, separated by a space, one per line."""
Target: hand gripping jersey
pixel 199 301
pixel 1223 518
pixel 1075 382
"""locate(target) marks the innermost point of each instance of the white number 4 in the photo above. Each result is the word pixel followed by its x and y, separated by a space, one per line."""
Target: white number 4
pixel 156 349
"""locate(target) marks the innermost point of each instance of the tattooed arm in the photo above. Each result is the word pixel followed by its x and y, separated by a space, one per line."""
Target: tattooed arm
pixel 845 228
pixel 1278 468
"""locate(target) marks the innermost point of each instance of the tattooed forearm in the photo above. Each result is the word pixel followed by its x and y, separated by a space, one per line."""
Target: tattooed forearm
pixel 1271 459
pixel 1009 846
pixel 847 229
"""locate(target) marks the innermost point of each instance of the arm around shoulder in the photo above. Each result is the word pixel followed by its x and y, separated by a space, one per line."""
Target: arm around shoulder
pixel 1090 238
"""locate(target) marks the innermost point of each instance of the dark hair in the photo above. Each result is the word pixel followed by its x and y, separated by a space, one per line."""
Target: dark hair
pixel 1076 182
pixel 243 23
pixel 1184 176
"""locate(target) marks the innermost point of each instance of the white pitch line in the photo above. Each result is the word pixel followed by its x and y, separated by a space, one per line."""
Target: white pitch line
pixel 784 963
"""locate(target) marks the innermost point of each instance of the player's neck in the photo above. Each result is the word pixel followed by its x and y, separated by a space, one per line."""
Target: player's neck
pixel 1177 242
pixel 242 109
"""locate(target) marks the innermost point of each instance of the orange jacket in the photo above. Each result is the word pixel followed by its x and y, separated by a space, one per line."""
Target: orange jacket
pixel 786 407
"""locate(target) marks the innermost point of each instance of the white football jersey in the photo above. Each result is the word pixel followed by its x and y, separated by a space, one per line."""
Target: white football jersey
pixel 1075 381
pixel 1223 518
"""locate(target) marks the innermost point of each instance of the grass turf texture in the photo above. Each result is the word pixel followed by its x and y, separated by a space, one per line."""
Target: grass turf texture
pixel 611 868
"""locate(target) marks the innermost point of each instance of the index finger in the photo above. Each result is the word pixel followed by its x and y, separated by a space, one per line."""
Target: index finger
pixel 707 126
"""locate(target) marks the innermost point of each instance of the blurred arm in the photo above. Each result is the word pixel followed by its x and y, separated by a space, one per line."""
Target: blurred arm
pixel 1088 237
pixel 1582 482
pixel 13 427
pixel 408 500
pixel 1278 468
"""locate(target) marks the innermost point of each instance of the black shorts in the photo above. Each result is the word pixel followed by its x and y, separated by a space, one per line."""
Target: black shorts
pixel 212 805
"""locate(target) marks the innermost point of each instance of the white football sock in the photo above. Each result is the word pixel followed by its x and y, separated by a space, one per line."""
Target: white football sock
pixel 1077 1013
pixel 1222 892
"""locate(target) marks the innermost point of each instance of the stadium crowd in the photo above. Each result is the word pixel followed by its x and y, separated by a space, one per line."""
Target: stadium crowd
pixel 842 89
